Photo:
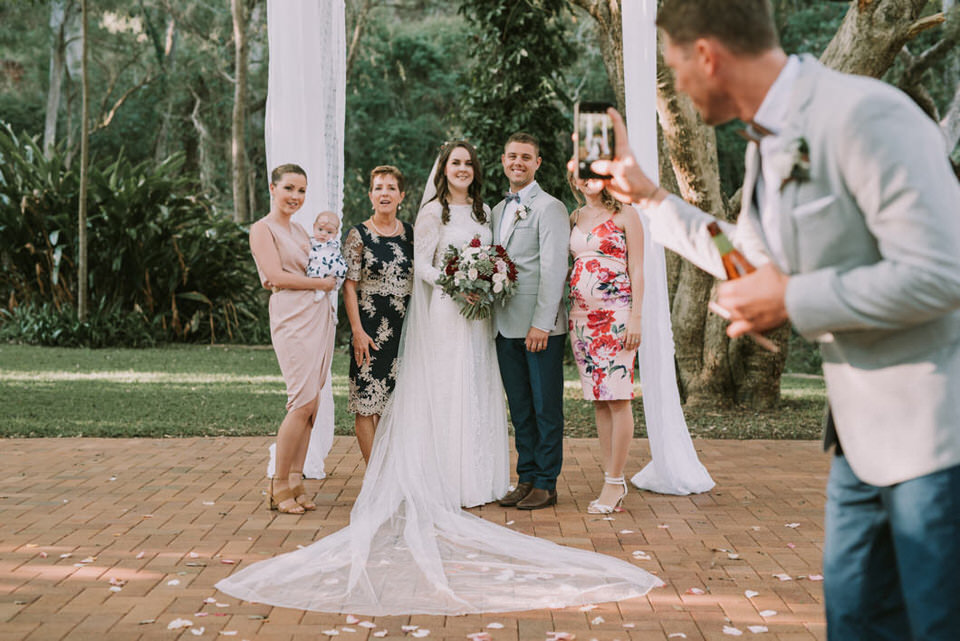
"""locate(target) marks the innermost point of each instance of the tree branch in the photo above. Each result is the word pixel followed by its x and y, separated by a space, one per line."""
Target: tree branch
pixel 106 120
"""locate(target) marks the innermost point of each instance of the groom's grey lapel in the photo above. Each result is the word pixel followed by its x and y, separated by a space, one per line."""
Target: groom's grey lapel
pixel 495 216
pixel 528 203
pixel 795 129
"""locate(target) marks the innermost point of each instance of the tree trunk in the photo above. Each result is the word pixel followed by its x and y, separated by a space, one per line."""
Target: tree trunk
pixel 608 17
pixel 58 14
pixel 713 370
pixel 168 65
pixel 241 213
pixel 82 280
pixel 871 35
pixel 358 28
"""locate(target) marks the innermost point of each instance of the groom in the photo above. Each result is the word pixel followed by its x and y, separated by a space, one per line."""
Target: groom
pixel 531 327
pixel 852 213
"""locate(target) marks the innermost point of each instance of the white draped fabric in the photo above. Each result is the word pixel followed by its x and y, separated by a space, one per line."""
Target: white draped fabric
pixel 305 112
pixel 674 467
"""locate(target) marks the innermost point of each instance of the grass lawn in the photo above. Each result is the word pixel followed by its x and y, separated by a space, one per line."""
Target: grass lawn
pixel 238 391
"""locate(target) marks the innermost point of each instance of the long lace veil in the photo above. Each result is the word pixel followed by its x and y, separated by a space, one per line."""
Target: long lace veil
pixel 409 548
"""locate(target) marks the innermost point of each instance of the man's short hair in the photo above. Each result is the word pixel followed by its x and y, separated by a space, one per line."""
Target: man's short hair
pixel 745 27
pixel 525 138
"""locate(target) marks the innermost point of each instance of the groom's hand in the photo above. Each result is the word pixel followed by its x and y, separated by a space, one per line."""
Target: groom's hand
pixel 756 302
pixel 537 340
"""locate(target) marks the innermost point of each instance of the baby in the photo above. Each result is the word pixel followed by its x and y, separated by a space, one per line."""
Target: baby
pixel 325 258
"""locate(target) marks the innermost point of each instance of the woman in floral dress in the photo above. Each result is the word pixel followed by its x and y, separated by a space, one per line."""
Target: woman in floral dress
pixel 379 255
pixel 606 294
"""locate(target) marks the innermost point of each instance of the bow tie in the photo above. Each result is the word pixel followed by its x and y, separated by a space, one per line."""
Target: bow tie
pixel 754 132
pixel 510 196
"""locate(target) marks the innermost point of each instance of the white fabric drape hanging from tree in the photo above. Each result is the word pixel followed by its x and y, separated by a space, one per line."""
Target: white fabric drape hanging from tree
pixel 674 467
pixel 305 112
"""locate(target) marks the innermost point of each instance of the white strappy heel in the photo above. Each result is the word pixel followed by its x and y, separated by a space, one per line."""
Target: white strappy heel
pixel 595 507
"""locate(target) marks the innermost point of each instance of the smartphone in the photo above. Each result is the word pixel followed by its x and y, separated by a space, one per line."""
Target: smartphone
pixel 593 138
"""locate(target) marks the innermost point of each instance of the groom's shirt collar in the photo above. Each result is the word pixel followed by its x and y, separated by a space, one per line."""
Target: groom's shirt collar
pixel 525 192
pixel 772 116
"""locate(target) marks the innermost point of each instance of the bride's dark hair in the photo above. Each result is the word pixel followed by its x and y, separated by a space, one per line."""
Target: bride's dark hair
pixel 474 190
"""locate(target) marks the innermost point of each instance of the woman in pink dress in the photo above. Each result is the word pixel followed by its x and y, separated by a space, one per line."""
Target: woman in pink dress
pixel 606 294
pixel 301 329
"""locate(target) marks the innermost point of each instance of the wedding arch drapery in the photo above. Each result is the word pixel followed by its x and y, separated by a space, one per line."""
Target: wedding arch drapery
pixel 305 113
pixel 674 467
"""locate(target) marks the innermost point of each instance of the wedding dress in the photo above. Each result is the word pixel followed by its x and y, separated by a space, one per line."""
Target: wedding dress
pixel 473 442
pixel 409 547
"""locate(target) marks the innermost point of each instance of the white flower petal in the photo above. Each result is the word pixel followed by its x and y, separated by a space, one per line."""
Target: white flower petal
pixel 750 594
pixel 732 631
pixel 176 624
pixel 757 629
pixel 352 619
pixel 768 613
pixel 598 621
pixel 173 582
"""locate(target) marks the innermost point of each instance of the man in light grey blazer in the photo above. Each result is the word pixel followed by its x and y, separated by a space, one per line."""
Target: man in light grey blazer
pixel 531 327
pixel 852 213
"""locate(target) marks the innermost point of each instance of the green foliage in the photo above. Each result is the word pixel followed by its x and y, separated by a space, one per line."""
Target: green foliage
pixel 106 326
pixel 401 95
pixel 520 52
pixel 157 253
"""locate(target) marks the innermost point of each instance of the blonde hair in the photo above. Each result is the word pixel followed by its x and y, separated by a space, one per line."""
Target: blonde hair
pixel 606 198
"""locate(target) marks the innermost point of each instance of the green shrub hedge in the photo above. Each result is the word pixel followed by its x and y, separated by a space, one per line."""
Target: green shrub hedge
pixel 163 264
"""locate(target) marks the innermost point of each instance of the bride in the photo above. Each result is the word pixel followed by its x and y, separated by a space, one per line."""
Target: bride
pixel 409 547
pixel 473 442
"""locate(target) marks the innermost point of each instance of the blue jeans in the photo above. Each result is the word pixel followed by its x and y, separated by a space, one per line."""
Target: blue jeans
pixel 891 558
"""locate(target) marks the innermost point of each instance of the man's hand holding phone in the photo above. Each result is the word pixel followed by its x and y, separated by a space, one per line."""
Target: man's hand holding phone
pixel 626 181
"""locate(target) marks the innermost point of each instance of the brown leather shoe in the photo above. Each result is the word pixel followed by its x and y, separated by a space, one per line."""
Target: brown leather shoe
pixel 538 499
pixel 517 495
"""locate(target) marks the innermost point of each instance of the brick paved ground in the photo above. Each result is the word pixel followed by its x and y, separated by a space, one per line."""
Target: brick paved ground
pixel 168 518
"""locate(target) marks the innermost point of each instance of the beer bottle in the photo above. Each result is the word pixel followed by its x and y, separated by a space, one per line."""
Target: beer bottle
pixel 734 262
pixel 736 265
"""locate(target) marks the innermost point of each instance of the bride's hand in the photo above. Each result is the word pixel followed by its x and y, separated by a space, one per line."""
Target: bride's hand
pixel 471 298
pixel 633 338
pixel 362 344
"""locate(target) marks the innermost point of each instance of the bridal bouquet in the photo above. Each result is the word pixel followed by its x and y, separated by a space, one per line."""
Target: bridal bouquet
pixel 476 276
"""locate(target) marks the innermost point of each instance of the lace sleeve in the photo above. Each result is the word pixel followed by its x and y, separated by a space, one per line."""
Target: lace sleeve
pixel 353 254
pixel 426 238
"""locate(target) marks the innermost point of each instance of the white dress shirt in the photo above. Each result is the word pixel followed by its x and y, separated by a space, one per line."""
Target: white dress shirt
pixel 510 210
pixel 772 115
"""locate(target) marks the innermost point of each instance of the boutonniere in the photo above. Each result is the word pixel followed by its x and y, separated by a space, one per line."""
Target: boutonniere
pixel 521 214
pixel 793 163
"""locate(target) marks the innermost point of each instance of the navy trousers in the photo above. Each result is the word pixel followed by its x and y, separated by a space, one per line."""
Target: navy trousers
pixel 534 385
pixel 892 557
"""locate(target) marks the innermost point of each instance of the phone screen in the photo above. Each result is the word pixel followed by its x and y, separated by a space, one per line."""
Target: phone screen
pixel 594 136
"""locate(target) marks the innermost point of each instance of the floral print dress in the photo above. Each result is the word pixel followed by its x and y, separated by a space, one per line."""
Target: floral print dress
pixel 600 303
pixel 382 266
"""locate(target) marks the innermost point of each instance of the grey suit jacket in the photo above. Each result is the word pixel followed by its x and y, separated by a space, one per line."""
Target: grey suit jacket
pixel 872 243
pixel 538 245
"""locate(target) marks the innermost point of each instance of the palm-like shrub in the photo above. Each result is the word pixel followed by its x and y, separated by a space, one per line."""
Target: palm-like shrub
pixel 157 250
